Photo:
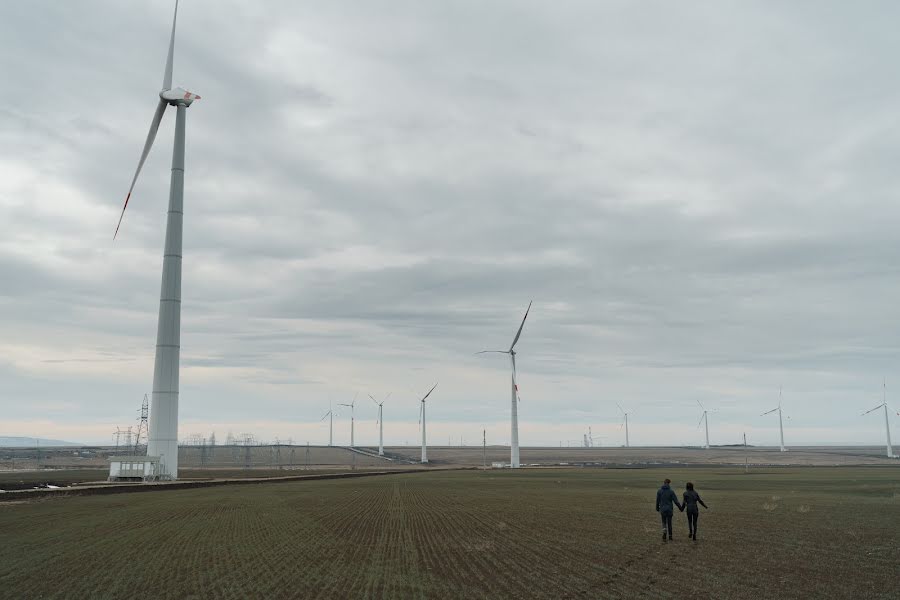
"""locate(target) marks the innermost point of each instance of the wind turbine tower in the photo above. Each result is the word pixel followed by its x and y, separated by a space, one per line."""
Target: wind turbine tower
pixel 352 406
pixel 163 430
pixel 780 421
pixel 380 406
pixel 422 423
pixel 704 418
pixel 625 422
pixel 514 414
pixel 887 422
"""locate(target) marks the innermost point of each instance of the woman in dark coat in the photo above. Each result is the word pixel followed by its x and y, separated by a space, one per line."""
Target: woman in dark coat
pixel 691 499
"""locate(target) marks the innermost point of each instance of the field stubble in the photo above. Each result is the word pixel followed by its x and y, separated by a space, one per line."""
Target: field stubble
pixel 787 533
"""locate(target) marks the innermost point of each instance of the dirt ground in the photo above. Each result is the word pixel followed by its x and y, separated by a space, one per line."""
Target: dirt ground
pixel 542 533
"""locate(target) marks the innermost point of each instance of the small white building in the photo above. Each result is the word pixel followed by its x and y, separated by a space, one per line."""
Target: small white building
pixel 134 468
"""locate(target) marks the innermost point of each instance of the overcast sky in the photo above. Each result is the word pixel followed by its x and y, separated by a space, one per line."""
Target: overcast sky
pixel 700 198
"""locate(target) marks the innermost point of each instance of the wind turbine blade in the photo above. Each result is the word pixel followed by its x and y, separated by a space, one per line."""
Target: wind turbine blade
pixel 700 421
pixel 325 415
pixel 167 76
pixel 373 400
pixel 701 405
pixel 421 408
pixel 429 392
pixel 493 351
pixel 620 408
pixel 873 409
pixel 151 135
pixel 519 333
pixel 770 411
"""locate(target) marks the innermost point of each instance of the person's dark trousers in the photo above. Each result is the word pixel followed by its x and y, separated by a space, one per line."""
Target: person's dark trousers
pixel 692 522
pixel 666 522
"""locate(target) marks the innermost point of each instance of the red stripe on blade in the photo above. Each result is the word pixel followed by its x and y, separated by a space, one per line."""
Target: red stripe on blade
pixel 119 224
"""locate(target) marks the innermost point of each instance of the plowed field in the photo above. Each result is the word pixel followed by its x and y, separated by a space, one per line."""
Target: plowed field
pixel 785 533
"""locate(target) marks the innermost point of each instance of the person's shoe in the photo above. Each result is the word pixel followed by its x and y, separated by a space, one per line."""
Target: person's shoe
pixel 670 538
pixel 664 536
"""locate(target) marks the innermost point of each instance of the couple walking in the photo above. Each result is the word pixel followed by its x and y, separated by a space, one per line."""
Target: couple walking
pixel 666 498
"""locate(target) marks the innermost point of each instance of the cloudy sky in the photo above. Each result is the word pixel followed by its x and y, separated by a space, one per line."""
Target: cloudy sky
pixel 700 198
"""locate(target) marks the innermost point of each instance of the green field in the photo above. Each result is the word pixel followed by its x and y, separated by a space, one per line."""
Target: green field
pixel 782 533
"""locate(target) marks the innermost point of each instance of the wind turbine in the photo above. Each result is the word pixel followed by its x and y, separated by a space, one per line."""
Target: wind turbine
pixel 704 418
pixel 380 423
pixel 352 406
pixel 163 430
pixel 780 422
pixel 887 422
pixel 625 422
pixel 422 423
pixel 514 416
pixel 329 414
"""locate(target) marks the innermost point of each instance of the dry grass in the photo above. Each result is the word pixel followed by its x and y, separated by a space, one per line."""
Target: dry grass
pixel 527 534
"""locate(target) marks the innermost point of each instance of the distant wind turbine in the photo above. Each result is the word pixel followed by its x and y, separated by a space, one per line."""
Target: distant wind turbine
pixel 163 430
pixel 380 406
pixel 704 418
pixel 352 406
pixel 514 415
pixel 887 422
pixel 625 422
pixel 422 422
pixel 329 414
pixel 780 422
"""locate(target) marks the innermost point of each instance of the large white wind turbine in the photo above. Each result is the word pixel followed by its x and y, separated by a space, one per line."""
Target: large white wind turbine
pixel 780 422
pixel 330 415
pixel 514 416
pixel 422 422
pixel 163 430
pixel 887 422
pixel 625 422
pixel 352 406
pixel 380 406
pixel 704 418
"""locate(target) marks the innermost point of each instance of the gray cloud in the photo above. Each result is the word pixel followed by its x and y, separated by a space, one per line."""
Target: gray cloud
pixel 699 200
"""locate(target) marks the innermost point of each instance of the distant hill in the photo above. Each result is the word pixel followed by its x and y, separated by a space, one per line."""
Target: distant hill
pixel 30 442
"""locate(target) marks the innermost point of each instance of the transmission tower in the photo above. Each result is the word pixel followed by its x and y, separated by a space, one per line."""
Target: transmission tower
pixel 248 440
pixel 123 439
pixel 277 454
pixel 204 453
pixel 140 439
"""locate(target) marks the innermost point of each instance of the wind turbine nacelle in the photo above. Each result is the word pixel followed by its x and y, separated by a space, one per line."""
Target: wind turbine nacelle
pixel 178 96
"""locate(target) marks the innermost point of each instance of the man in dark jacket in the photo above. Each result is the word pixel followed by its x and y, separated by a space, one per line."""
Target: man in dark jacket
pixel 665 498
